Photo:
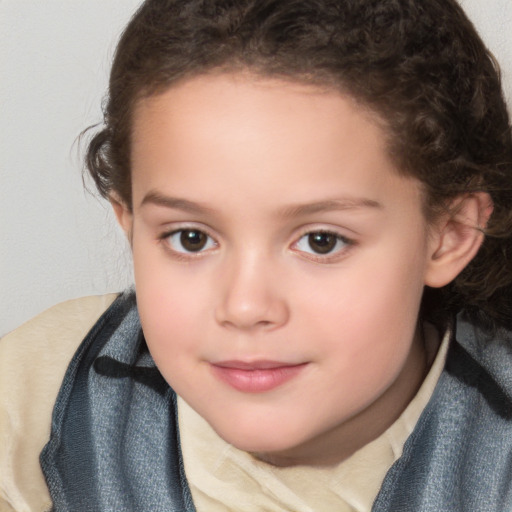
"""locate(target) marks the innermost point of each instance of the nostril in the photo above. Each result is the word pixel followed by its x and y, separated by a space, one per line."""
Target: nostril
pixel 248 299
pixel 252 317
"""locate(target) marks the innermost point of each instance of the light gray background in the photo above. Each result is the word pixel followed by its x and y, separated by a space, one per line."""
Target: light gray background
pixel 56 241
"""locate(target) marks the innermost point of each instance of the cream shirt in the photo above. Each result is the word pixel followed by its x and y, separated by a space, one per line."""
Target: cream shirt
pixel 33 360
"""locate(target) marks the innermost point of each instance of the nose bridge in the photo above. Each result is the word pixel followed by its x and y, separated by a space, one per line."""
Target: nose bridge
pixel 250 295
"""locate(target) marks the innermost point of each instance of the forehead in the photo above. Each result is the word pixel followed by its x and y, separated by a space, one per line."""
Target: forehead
pixel 245 99
pixel 258 134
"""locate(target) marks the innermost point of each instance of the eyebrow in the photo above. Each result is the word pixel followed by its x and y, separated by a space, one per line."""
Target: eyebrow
pixel 175 203
pixel 298 210
pixel 330 205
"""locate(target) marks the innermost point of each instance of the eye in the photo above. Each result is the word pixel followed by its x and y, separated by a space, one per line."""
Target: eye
pixel 321 242
pixel 189 241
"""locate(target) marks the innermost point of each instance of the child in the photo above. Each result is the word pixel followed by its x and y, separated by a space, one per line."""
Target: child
pixel 318 198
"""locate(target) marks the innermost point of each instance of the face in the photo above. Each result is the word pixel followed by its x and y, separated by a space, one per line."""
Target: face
pixel 279 263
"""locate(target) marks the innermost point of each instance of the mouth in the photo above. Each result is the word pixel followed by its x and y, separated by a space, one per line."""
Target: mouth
pixel 255 376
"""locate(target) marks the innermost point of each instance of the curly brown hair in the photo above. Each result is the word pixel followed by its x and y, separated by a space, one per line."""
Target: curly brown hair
pixel 418 64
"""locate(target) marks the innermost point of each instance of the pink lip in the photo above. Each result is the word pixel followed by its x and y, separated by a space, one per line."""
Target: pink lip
pixel 256 376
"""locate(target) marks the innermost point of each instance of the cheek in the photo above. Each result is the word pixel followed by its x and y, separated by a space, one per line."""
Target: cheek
pixel 172 304
pixel 172 324
pixel 366 316
pixel 366 295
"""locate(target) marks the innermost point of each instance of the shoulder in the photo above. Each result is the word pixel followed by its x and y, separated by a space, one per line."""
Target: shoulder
pixel 492 352
pixel 464 432
pixel 39 350
pixel 70 316
pixel 33 360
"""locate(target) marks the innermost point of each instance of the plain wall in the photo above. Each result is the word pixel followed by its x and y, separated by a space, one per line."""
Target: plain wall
pixel 56 241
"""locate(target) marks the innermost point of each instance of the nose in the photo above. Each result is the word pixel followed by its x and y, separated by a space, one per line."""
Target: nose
pixel 251 296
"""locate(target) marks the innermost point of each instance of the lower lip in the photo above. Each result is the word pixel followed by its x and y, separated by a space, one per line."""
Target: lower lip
pixel 256 381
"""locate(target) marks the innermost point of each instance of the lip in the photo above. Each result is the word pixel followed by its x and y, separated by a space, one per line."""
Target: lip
pixel 256 376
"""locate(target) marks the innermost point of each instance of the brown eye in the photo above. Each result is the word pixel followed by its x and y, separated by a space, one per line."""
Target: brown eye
pixel 189 241
pixel 193 240
pixel 322 243
pixel 316 244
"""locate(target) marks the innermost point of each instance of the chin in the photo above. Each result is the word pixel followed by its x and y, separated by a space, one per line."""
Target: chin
pixel 272 452
pixel 249 442
pixel 261 441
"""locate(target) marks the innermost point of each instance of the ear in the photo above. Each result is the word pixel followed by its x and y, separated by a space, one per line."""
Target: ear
pixel 456 238
pixel 123 214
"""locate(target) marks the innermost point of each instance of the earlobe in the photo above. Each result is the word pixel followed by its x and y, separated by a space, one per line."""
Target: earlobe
pixel 123 214
pixel 457 238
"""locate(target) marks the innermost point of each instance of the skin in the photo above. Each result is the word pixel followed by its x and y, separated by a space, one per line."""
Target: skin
pixel 257 164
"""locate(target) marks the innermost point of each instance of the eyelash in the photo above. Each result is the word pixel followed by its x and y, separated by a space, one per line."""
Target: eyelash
pixel 210 244
pixel 328 257
pixel 185 255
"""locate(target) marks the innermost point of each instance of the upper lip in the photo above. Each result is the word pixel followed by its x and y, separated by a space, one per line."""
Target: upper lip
pixel 254 365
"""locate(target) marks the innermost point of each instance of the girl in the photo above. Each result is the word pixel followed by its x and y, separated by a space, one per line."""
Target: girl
pixel 318 196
